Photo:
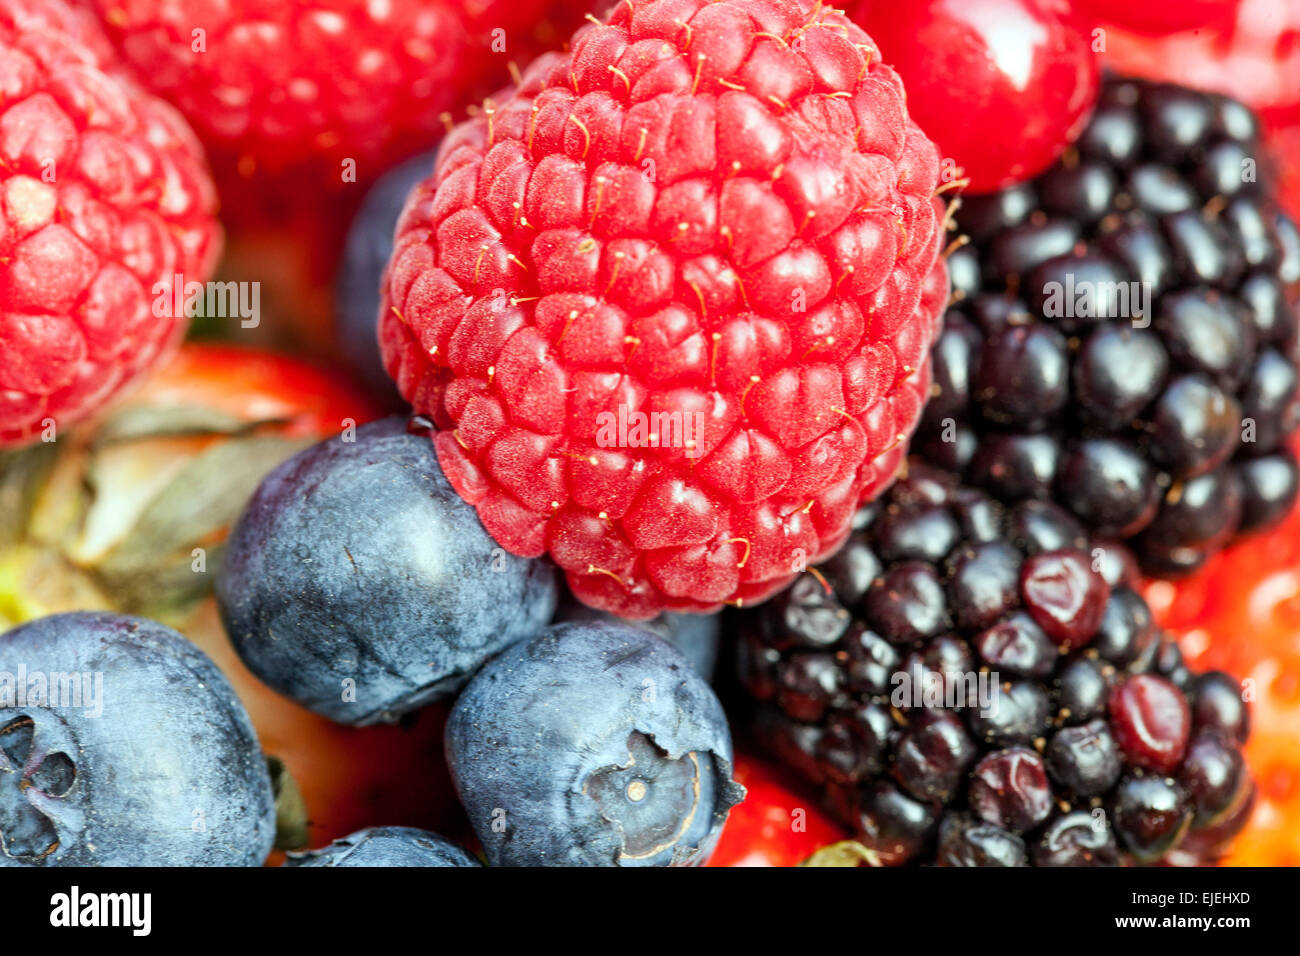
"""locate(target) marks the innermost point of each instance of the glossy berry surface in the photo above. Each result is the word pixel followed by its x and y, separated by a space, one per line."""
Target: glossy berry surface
pixel 910 680
pixel 1151 720
pixel 1160 17
pixel 1251 54
pixel 592 744
pixel 776 824
pixel 1247 589
pixel 105 194
pixel 1122 337
pixel 670 300
pixel 1003 86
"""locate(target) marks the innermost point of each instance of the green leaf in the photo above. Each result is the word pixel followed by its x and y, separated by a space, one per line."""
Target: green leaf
pixel 22 473
pixel 844 853
pixel 152 566
pixel 137 422
pixel 291 821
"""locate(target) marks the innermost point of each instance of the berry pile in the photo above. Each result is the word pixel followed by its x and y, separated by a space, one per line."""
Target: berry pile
pixel 973 684
pixel 661 320
pixel 670 300
pixel 1122 337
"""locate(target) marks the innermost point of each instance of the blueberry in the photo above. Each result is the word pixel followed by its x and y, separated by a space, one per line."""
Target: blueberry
pixel 592 744
pixel 365 254
pixel 696 636
pixel 359 584
pixel 122 744
pixel 386 846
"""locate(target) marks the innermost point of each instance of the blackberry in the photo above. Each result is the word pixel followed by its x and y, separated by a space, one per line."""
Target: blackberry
pixel 1121 338
pixel 973 683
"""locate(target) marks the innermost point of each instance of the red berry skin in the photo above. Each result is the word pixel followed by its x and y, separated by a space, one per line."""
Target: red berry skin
pixel 1160 16
pixel 276 85
pixel 1151 722
pixel 104 193
pixel 1254 56
pixel 718 211
pixel 1003 86
pixel 1064 595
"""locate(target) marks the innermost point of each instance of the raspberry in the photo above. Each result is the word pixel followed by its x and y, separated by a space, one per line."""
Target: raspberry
pixel 274 84
pixel 911 680
pixel 706 214
pixel 103 194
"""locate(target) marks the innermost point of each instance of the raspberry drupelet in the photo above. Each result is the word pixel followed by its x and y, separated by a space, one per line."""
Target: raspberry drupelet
pixel 711 219
pixel 104 193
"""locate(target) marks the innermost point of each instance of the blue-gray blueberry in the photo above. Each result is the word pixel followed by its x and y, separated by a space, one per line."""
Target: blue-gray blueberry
pixel 592 744
pixel 358 583
pixel 386 846
pixel 696 635
pixel 122 744
pixel 365 254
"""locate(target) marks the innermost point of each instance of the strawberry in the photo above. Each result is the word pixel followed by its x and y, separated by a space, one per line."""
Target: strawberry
pixel 774 825
pixel 105 195
pixel 670 300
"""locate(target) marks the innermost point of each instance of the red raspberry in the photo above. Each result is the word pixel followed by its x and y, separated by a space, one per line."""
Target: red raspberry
pixel 103 194
pixel 278 83
pixel 714 210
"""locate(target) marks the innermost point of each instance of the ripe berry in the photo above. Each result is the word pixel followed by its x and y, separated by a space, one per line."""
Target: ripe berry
pixel 1161 17
pixel 1003 86
pixel 1064 595
pixel 932 756
pixel 964 841
pixel 385 846
pixel 1217 704
pixel 670 300
pixel 1010 788
pixel 1075 839
pixel 122 773
pixel 946 726
pixel 1152 814
pixel 1151 721
pixel 105 196
pixel 592 744
pixel 273 84
pixel 1214 776
pixel 1121 337
pixel 355 562
pixel 1085 759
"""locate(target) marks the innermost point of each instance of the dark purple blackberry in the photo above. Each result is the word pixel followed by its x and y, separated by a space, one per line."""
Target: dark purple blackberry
pixel 1121 336
pixel 976 684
